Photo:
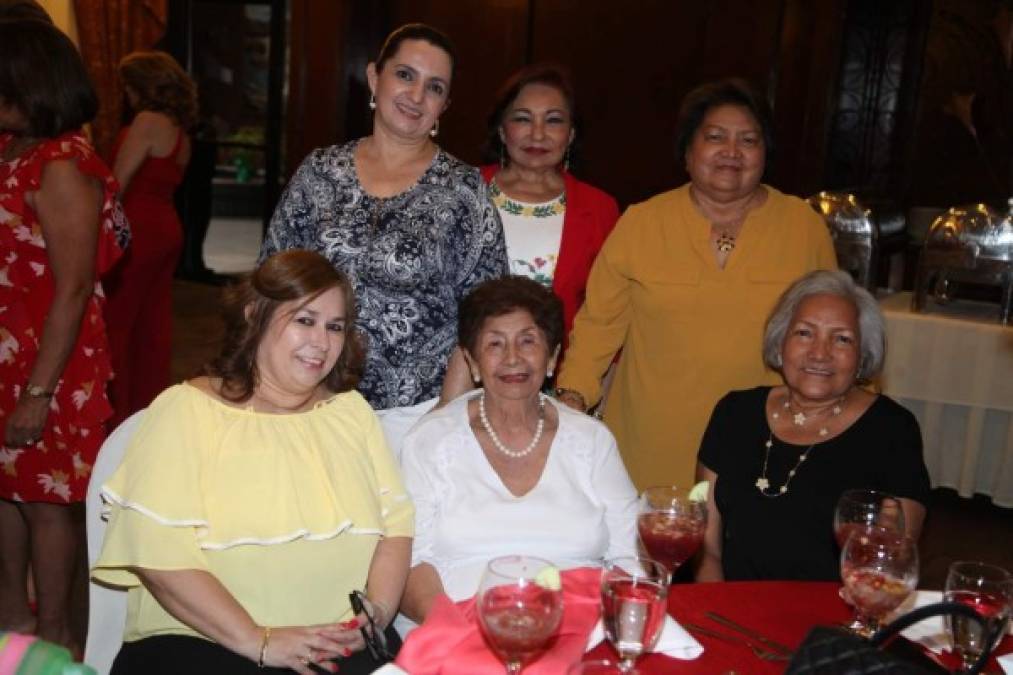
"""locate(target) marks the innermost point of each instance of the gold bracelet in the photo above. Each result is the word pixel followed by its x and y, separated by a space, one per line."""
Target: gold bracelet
pixel 263 646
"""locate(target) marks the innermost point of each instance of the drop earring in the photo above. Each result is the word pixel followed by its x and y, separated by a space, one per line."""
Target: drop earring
pixel 566 159
pixel 372 102
pixel 502 156
pixel 435 130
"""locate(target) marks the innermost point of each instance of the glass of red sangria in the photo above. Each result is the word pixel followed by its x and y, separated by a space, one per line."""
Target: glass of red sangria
pixel 988 590
pixel 634 600
pixel 862 509
pixel 671 525
pixel 520 607
pixel 879 569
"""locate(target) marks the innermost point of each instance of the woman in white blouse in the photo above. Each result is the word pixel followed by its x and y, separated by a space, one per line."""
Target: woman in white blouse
pixel 506 469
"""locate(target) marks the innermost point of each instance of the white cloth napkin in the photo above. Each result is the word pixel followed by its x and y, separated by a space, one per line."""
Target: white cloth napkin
pixel 930 633
pixel 389 669
pixel 674 640
pixel 1006 662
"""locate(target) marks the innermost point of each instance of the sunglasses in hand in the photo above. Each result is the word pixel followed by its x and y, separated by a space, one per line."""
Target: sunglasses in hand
pixel 376 641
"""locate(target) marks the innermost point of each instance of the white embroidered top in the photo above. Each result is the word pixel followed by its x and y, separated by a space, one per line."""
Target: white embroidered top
pixel 533 234
pixel 583 507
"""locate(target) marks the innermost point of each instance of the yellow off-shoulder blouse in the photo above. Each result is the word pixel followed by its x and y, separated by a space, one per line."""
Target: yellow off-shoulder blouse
pixel 284 510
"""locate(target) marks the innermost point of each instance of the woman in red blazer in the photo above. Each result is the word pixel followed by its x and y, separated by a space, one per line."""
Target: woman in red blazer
pixel 554 223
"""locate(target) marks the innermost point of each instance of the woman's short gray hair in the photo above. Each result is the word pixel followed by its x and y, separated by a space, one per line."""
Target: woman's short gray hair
pixel 871 326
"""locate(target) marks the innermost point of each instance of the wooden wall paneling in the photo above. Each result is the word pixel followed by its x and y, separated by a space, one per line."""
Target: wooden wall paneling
pixel 315 113
pixel 491 40
pixel 632 63
pixel 741 40
pixel 807 65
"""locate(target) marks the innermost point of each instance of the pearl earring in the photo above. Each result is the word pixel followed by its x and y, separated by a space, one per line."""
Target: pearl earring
pixel 372 102
pixel 549 373
pixel 435 130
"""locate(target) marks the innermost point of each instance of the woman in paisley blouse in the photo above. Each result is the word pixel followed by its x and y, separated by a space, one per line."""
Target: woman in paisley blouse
pixel 412 226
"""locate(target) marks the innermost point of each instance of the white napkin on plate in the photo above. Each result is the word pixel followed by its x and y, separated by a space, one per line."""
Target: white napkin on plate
pixel 674 640
pixel 389 669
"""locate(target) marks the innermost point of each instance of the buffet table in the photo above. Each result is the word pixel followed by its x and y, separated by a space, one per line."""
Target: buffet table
pixel 782 611
pixel 953 368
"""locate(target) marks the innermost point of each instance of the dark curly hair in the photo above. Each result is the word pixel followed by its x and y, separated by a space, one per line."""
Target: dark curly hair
pixel 498 297
pixel 161 86
pixel 729 91
pixel 251 304
pixel 548 74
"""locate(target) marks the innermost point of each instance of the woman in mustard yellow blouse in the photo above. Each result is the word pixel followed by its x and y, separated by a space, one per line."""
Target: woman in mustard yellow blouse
pixel 683 286
pixel 253 501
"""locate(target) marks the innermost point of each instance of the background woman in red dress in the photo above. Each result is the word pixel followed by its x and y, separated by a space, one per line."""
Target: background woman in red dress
pixel 60 228
pixel 149 158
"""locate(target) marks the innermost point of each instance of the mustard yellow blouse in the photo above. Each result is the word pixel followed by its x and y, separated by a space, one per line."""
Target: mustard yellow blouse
pixel 690 332
pixel 284 510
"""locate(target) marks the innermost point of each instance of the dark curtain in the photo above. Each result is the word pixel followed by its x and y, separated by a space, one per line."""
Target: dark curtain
pixel 108 30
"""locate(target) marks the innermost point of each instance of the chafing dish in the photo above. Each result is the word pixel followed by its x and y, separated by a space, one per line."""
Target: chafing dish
pixel 854 232
pixel 967 244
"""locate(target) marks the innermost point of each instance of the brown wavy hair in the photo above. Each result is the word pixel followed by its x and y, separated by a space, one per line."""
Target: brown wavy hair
pixel 161 86
pixel 250 306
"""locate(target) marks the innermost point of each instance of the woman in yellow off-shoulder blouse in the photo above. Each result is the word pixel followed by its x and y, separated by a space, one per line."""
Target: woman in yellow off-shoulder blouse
pixel 253 501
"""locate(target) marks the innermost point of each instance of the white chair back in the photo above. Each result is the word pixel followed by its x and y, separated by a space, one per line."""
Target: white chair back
pixel 107 606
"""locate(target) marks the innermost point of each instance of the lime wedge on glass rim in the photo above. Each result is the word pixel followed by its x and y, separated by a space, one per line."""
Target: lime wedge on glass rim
pixel 699 491
pixel 549 578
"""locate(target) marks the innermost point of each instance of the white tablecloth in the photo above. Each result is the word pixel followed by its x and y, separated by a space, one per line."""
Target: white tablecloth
pixel 953 368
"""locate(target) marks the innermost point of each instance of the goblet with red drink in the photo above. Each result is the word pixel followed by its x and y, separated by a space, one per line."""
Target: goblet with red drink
pixel 671 525
pixel 862 509
pixel 520 607
pixel 879 569
pixel 988 590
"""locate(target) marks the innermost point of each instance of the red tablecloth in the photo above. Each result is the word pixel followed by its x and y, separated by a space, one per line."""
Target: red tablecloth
pixel 781 610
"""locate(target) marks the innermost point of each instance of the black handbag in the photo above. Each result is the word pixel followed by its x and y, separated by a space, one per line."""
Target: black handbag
pixel 836 651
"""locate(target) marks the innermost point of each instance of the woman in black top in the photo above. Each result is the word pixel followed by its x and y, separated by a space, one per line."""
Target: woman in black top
pixel 778 458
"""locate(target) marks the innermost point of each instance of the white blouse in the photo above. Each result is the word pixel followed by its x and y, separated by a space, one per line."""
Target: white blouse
pixel 582 509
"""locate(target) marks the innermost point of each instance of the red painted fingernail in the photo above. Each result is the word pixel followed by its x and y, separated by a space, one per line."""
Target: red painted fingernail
pixel 333 667
pixel 354 623
pixel 347 652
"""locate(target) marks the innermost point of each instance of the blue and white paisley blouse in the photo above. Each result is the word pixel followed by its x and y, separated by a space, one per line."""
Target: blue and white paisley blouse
pixel 411 258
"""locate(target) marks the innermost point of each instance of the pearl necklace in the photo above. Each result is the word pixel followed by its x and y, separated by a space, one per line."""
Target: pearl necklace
pixel 799 419
pixel 516 454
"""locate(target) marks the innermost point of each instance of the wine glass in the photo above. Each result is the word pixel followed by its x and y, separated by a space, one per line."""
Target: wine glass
pixel 634 594
pixel 604 667
pixel 671 526
pixel 520 607
pixel 861 509
pixel 988 590
pixel 879 569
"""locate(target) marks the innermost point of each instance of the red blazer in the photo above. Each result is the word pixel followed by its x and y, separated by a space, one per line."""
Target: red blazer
pixel 589 218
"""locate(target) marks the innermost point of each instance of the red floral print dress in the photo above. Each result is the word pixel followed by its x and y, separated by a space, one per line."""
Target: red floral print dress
pixel 57 467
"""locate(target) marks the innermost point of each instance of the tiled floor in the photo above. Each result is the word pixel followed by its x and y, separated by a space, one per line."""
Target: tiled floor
pixel 956 528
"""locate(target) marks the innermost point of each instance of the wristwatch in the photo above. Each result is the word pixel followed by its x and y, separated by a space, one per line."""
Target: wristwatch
pixel 36 391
